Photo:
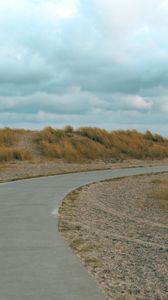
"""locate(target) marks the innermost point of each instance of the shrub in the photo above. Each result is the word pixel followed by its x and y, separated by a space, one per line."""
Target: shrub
pixel 68 129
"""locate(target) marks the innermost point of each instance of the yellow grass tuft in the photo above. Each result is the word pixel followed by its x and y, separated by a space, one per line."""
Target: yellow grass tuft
pixel 8 150
pixel 8 154
pixel 7 137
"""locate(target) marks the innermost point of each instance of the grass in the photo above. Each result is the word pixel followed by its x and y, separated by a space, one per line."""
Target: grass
pixel 84 144
pixel 7 137
pixel 88 143
pixel 9 154
pixel 8 149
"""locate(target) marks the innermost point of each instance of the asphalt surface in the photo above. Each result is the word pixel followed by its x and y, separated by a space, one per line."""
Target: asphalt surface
pixel 35 262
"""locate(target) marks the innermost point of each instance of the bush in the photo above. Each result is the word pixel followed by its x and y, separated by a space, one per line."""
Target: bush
pixel 68 128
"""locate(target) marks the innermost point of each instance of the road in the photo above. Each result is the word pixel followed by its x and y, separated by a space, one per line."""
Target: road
pixel 35 262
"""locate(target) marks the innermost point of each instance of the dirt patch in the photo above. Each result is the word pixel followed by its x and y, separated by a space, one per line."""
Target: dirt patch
pixel 121 235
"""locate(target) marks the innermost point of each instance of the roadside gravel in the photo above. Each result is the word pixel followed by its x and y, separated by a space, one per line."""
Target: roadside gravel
pixel 39 167
pixel 121 235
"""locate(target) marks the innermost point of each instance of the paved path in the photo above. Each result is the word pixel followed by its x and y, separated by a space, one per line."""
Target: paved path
pixel 35 263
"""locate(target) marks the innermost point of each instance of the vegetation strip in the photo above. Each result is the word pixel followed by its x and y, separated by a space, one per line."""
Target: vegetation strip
pixel 94 143
pixel 85 143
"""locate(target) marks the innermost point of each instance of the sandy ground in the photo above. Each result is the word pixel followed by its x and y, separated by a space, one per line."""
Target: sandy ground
pixel 120 232
pixel 40 167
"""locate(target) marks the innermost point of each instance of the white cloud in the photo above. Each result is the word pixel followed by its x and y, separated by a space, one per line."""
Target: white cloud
pixel 120 15
pixel 164 108
pixel 58 9
pixel 11 4
pixel 137 102
pixel 161 104
pixel 72 101
pixel 53 8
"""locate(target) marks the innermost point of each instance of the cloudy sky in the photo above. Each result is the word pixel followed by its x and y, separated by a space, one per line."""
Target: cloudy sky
pixel 93 62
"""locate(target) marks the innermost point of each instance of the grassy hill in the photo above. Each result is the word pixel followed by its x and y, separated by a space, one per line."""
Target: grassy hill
pixel 81 145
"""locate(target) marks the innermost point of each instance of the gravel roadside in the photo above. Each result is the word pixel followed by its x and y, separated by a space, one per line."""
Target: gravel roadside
pixel 35 168
pixel 121 235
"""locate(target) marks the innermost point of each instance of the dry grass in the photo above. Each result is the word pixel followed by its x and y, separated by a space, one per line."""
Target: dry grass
pixel 8 154
pixel 83 144
pixel 93 143
pixel 8 149
pixel 7 137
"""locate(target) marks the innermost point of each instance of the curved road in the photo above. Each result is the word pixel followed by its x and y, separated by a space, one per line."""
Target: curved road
pixel 35 262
